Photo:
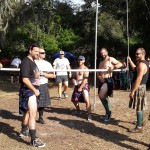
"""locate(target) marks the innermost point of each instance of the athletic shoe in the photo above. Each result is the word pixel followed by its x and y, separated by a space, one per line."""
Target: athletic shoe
pixel 108 116
pixel 24 133
pixel 37 143
pixel 65 94
pixel 41 120
pixel 60 98
pixel 136 130
pixel 89 117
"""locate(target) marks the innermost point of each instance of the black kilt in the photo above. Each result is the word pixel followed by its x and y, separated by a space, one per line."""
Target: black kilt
pixel 44 98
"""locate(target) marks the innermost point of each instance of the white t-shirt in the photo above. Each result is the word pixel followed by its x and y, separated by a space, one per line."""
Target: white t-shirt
pixel 61 64
pixel 44 66
pixel 16 62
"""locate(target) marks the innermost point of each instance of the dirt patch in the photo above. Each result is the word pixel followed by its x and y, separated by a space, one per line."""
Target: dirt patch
pixel 72 132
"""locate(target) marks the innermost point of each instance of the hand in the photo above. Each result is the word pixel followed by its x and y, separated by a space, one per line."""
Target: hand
pixel 41 73
pixel 54 75
pixel 131 94
pixel 129 59
pixel 70 75
pixel 36 92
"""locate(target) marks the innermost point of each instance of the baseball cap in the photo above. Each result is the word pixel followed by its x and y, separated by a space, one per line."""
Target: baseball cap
pixel 61 52
pixel 81 57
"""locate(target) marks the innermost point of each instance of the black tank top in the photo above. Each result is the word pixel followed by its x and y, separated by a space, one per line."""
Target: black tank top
pixel 145 76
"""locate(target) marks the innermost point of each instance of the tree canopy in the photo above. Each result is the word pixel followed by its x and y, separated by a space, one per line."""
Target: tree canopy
pixel 56 25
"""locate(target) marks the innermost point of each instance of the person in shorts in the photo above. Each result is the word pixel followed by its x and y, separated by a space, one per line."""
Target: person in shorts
pixel 63 64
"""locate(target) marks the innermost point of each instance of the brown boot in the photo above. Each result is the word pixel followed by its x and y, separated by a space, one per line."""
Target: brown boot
pixel 136 130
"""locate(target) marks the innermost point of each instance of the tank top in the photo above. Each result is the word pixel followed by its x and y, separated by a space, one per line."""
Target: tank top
pixel 145 76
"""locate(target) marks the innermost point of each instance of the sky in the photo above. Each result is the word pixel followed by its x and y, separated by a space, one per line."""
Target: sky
pixel 78 1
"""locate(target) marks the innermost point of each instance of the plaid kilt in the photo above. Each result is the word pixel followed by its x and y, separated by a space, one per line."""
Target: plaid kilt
pixel 77 96
pixel 24 95
pixel 139 101
pixel 44 98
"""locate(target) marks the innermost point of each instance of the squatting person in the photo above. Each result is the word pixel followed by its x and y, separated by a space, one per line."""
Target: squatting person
pixel 81 90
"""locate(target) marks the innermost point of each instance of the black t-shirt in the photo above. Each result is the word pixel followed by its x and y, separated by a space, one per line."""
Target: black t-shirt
pixel 28 69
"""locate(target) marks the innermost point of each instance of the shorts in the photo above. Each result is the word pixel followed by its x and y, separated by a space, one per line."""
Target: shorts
pixel 61 78
pixel 77 96
pixel 139 101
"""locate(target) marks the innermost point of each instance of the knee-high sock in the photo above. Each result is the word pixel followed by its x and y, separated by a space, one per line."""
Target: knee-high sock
pixel 109 103
pixel 41 111
pixel 139 118
pixel 105 104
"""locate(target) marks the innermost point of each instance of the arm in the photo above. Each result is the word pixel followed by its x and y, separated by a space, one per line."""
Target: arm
pixel 68 67
pixel 117 64
pixel 140 72
pixel 27 82
pixel 131 63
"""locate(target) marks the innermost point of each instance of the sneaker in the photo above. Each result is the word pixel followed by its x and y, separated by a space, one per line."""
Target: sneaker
pixel 108 116
pixel 65 94
pixel 37 143
pixel 24 133
pixel 41 120
pixel 60 98
pixel 89 117
pixel 136 130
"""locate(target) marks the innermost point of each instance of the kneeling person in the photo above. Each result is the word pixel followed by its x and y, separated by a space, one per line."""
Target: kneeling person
pixel 81 90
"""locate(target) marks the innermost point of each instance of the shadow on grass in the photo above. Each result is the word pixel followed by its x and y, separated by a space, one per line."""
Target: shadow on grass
pixel 10 132
pixel 7 129
pixel 107 135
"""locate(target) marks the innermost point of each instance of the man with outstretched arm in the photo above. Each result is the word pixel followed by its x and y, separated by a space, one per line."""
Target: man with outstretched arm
pixel 105 88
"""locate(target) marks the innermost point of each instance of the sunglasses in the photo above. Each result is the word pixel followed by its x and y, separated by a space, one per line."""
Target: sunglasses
pixel 42 53
pixel 138 54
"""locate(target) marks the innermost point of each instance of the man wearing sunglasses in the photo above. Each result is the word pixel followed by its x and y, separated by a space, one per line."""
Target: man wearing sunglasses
pixel 81 90
pixel 63 64
pixel 46 72
pixel 138 91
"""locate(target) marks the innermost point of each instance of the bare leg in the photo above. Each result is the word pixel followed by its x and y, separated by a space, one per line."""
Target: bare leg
pixel 65 86
pixel 87 100
pixel 59 88
pixel 32 105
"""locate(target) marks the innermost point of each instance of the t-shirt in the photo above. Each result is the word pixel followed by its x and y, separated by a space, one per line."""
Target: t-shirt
pixel 61 64
pixel 44 66
pixel 29 69
pixel 16 62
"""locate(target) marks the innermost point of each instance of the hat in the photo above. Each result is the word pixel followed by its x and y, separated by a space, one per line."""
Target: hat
pixel 61 52
pixel 81 57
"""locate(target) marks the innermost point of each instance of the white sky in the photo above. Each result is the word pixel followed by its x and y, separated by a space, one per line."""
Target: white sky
pixel 78 1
